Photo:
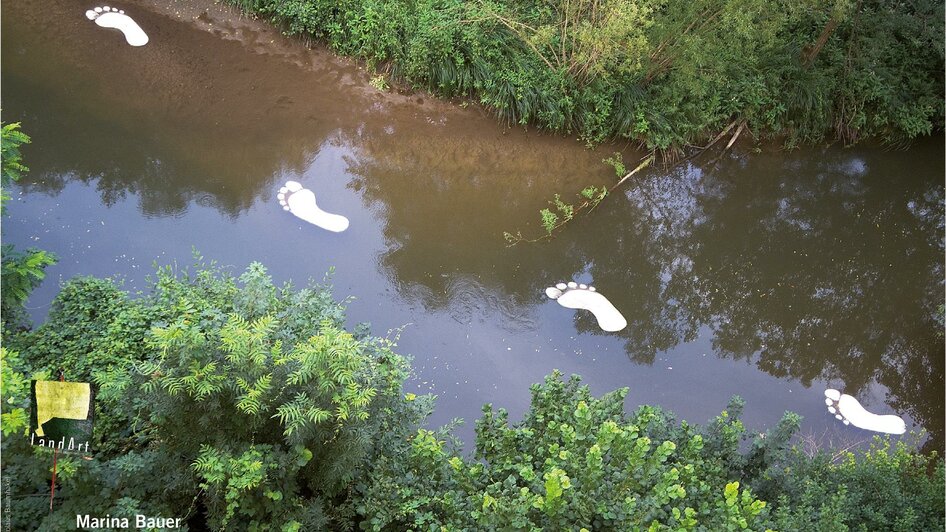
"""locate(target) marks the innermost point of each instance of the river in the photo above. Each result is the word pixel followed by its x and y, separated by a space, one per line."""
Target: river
pixel 767 274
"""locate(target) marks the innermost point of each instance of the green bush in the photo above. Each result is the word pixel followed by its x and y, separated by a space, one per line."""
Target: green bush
pixel 227 401
pixel 578 463
pixel 574 462
pixel 239 405
pixel 91 325
pixel 22 271
pixel 665 74
pixel 881 489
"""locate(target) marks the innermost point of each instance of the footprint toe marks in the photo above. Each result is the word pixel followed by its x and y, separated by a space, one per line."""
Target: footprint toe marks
pixel 581 296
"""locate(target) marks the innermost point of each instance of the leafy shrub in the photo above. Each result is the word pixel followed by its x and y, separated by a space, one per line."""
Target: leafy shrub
pixel 578 462
pixel 881 489
pixel 247 405
pixel 22 271
pixel 11 138
pixel 91 325
pixel 665 74
pixel 573 462
pixel 240 405
pixel 14 388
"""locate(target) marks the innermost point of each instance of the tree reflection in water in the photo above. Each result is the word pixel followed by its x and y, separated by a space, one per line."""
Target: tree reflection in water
pixel 815 265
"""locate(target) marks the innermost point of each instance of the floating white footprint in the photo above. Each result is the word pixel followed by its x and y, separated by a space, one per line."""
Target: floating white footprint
pixel 849 410
pixel 109 17
pixel 301 202
pixel 580 296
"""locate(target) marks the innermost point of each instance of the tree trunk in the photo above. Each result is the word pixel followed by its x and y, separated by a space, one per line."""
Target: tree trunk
pixel 811 52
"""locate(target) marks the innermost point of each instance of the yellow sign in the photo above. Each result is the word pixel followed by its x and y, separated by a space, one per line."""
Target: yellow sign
pixel 62 414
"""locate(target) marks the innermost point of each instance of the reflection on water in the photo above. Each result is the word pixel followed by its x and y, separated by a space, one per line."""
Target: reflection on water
pixel 824 264
pixel 767 274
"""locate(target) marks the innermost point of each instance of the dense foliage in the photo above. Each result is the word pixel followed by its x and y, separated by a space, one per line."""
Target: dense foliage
pixel 576 462
pixel 227 401
pixel 664 73
pixel 240 405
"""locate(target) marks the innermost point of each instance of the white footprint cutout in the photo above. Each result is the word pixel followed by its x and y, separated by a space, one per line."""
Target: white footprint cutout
pixel 580 296
pixel 109 17
pixel 847 409
pixel 300 201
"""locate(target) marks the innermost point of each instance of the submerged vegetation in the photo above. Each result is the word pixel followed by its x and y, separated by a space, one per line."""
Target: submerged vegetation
pixel 552 221
pixel 589 198
pixel 666 74
pixel 236 404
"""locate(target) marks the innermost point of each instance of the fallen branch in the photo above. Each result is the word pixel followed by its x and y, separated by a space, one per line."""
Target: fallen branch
pixel 735 136
pixel 717 137
pixel 728 145
pixel 643 164
pixel 590 203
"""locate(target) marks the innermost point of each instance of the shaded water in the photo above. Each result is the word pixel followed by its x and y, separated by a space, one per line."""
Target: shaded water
pixel 769 275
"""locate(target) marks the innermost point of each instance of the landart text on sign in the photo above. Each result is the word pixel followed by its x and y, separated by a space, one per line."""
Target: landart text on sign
pixel 61 415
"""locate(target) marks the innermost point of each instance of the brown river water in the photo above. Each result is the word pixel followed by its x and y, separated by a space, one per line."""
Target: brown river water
pixel 765 274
